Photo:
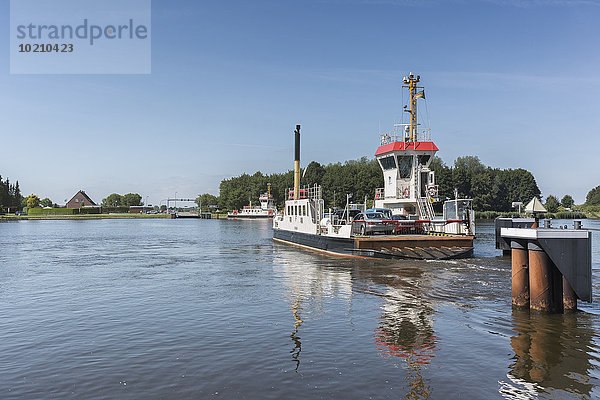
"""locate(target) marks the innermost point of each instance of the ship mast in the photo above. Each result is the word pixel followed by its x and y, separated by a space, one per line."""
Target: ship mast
pixel 410 82
pixel 297 163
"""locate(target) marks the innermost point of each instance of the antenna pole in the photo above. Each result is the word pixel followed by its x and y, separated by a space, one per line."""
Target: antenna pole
pixel 297 163
pixel 411 80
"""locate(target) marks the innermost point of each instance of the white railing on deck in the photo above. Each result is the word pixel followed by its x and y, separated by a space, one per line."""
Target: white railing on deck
pixel 399 135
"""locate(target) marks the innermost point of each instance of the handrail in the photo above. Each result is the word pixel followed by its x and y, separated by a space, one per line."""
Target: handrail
pixel 398 135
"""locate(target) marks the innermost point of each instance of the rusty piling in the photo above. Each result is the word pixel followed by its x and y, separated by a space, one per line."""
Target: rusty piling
pixel 543 277
pixel 520 274
pixel 569 298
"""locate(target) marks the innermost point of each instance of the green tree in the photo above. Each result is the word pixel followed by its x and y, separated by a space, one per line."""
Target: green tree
pixel 10 195
pixel 520 186
pixel 16 198
pixel 46 202
pixel 462 181
pixel 33 201
pixel 131 199
pixel 3 194
pixel 481 190
pixel 443 178
pixel 465 168
pixel 205 200
pixel 567 201
pixel 593 197
pixel 113 200
pixel 471 164
pixel 552 204
pixel 313 174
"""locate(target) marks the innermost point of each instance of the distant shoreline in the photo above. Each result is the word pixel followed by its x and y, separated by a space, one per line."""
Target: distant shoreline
pixel 6 218
pixel 81 217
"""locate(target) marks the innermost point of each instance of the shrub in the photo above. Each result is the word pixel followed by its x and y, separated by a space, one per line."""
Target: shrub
pixel 50 211
pixel 108 210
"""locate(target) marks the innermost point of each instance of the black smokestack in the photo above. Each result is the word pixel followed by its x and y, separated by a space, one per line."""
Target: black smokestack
pixel 297 145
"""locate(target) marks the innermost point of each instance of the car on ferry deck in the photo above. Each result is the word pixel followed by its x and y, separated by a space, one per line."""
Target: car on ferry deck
pixel 369 223
pixel 405 226
pixel 385 211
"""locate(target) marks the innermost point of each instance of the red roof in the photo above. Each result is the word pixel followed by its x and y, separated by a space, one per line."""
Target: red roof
pixel 400 146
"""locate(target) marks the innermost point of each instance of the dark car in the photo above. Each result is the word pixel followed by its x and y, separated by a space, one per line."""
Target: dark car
pixel 369 223
pixel 385 211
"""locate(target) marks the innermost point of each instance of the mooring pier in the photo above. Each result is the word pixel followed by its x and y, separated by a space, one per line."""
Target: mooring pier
pixel 551 268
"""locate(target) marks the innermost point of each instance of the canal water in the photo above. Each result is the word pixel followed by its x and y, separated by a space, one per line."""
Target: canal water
pixel 197 309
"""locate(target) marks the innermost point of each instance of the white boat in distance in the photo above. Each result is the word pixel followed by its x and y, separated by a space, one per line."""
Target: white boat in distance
pixel 266 209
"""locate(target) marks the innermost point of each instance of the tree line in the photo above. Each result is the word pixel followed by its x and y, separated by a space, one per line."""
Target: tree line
pixel 12 199
pixel 127 200
pixel 10 195
pixel 492 189
pixel 358 177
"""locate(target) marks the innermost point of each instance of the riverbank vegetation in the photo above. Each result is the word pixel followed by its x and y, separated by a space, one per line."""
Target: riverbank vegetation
pixel 491 189
pixel 127 200
pixel 55 216
pixel 556 215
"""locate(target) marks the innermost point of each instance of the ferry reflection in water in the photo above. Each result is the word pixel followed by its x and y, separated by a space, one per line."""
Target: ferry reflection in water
pixel 309 283
pixel 405 328
pixel 296 309
pixel 548 354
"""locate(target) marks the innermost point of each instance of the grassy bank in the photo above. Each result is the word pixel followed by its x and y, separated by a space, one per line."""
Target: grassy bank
pixel 12 217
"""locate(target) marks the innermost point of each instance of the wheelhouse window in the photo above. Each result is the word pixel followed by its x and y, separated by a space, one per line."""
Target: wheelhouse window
pixel 424 159
pixel 405 169
pixel 387 163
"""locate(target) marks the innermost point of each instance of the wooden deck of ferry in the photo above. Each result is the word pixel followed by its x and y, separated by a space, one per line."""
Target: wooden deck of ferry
pixel 415 246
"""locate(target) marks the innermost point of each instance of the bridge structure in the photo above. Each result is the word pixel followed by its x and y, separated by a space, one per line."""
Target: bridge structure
pixel 186 211
pixel 175 200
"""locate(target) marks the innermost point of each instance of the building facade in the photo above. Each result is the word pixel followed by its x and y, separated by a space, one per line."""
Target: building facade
pixel 81 200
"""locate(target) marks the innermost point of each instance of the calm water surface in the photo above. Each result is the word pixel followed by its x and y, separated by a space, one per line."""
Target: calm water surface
pixel 195 309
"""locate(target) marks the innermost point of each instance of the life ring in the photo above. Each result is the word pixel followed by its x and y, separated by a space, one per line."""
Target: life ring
pixel 234 212
pixel 406 193
pixel 270 212
pixel 431 200
pixel 378 196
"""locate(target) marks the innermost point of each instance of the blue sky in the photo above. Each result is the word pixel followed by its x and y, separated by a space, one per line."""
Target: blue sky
pixel 513 82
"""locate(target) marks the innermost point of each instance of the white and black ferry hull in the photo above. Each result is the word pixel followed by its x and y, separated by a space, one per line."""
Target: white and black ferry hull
pixel 327 244
pixel 241 216
pixel 385 246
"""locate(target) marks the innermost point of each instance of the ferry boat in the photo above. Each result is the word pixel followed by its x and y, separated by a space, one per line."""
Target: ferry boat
pixel 266 209
pixel 409 192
